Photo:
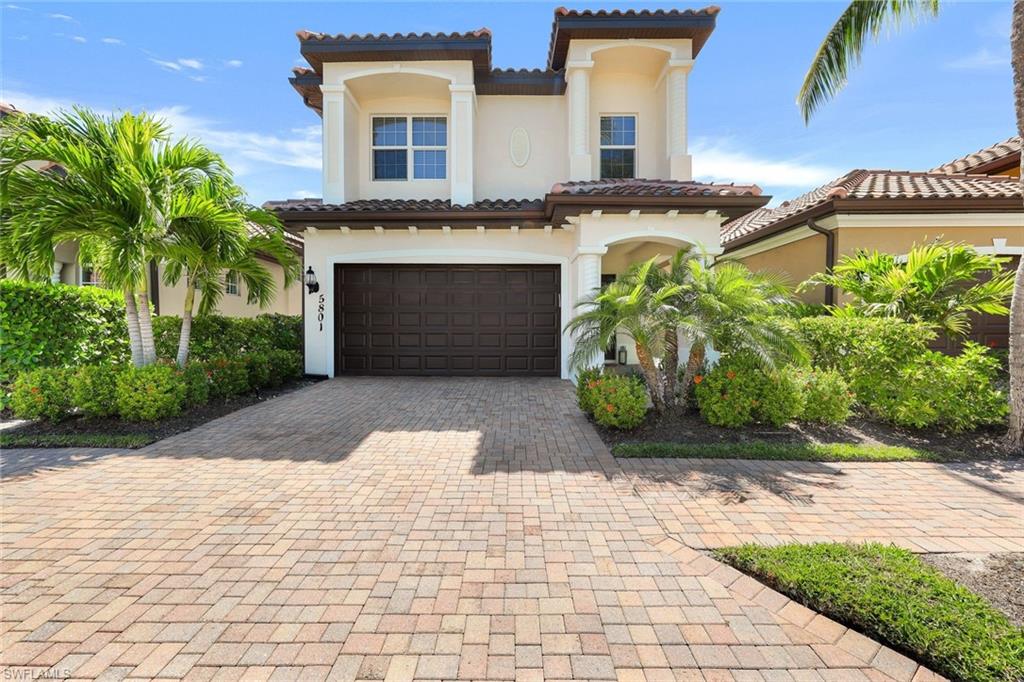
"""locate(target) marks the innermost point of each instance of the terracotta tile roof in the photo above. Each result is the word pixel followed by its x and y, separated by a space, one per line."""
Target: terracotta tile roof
pixel 405 205
pixel 305 35
pixel 1002 154
pixel 865 185
pixel 293 240
pixel 654 188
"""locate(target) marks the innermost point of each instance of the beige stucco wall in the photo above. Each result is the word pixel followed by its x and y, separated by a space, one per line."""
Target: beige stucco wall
pixel 286 301
pixel 899 240
pixel 797 261
pixel 544 120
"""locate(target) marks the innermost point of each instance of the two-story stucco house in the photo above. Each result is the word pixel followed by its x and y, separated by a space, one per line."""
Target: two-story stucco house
pixel 466 209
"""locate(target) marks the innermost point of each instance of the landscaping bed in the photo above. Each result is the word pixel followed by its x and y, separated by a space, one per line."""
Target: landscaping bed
pixel 891 595
pixel 997 577
pixel 875 441
pixel 115 432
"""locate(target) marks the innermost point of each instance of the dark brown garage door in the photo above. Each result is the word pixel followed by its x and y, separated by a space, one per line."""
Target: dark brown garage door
pixel 487 320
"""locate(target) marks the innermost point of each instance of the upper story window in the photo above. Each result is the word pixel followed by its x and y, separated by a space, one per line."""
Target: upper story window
pixel 231 283
pixel 618 147
pixel 397 155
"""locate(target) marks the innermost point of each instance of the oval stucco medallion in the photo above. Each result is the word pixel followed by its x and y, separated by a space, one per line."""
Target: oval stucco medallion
pixel 519 147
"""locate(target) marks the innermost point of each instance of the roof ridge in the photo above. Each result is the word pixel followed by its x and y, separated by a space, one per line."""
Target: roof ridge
pixel 304 34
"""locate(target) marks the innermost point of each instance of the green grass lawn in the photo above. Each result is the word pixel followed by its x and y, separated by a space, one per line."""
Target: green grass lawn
pixel 75 440
pixel 889 594
pixel 808 452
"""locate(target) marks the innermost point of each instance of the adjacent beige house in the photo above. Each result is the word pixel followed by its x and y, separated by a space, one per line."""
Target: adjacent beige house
pixel 467 209
pixel 975 199
pixel 170 300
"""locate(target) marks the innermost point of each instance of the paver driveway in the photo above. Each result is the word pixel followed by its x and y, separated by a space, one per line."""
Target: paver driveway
pixel 385 528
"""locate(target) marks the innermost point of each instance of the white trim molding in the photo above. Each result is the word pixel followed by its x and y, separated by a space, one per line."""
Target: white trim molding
pixel 788 237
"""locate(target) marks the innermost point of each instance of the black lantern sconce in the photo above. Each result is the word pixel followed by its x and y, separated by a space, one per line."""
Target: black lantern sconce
pixel 310 279
pixel 622 355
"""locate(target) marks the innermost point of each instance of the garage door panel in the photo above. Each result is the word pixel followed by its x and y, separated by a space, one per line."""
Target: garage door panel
pixel 463 320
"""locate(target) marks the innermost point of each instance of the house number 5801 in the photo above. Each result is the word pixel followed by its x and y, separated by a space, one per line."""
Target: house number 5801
pixel 320 311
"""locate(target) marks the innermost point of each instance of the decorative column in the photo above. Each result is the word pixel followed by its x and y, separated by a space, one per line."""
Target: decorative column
pixel 680 162
pixel 333 144
pixel 588 282
pixel 55 273
pixel 577 76
pixel 463 117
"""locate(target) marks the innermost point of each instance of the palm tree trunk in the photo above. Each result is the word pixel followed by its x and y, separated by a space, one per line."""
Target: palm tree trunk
pixel 650 372
pixel 1015 434
pixel 671 365
pixel 131 317
pixel 146 327
pixel 186 324
pixel 693 364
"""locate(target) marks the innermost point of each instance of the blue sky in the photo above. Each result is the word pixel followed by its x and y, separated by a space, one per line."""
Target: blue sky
pixel 219 71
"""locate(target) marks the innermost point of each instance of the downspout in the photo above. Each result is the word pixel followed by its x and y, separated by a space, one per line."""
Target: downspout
pixel 830 256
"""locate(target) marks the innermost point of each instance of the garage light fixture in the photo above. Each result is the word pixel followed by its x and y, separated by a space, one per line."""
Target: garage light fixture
pixel 622 355
pixel 310 279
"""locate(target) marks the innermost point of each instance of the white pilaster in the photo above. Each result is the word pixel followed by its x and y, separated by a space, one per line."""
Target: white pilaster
pixel 334 144
pixel 588 282
pixel 577 76
pixel 463 117
pixel 55 274
pixel 680 162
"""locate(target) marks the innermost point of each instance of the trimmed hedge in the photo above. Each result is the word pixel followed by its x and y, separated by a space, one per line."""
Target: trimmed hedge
pixel 56 325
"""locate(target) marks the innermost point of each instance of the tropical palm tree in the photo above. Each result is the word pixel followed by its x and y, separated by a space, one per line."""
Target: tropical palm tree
pixel 635 305
pixel 937 284
pixel 119 187
pixel 205 252
pixel 841 49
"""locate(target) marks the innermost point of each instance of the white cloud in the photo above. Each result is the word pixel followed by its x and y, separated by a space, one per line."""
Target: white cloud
pixel 304 193
pixel 716 161
pixel 170 66
pixel 980 59
pixel 78 39
pixel 244 150
pixel 112 41
pixel 17 8
pixel 197 79
pixel 191 64
pixel 233 63
pixel 61 17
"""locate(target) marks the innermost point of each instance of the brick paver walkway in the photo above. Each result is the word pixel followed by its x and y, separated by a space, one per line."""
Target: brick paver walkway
pixel 970 507
pixel 385 529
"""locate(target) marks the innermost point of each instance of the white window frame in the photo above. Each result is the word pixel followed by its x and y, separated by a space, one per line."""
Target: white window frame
pixel 83 282
pixel 231 281
pixel 636 139
pixel 410 148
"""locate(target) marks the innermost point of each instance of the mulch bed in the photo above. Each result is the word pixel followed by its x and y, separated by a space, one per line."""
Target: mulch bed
pixel 999 578
pixel 153 430
pixel 679 425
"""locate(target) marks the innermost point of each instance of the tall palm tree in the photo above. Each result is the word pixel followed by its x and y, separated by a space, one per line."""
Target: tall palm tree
pixel 204 252
pixel 841 49
pixel 121 187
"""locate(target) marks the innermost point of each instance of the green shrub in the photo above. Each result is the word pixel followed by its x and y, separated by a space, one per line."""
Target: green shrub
pixel 260 371
pixel 228 378
pixel 42 394
pixel 957 393
pixel 586 388
pixel 827 397
pixel 868 352
pixel 150 393
pixel 738 391
pixel 197 384
pixel 94 390
pixel 891 595
pixel 621 402
pixel 216 336
pixel 55 325
pixel 285 365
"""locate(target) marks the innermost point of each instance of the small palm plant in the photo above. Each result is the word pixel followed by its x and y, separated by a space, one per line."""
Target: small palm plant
pixel 937 284
pixel 232 241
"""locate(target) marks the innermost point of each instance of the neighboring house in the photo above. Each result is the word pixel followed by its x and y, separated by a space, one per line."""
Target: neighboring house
pixel 467 209
pixel 170 300
pixel 975 199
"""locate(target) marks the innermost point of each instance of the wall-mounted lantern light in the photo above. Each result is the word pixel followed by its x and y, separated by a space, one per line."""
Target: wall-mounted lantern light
pixel 310 279
pixel 622 355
